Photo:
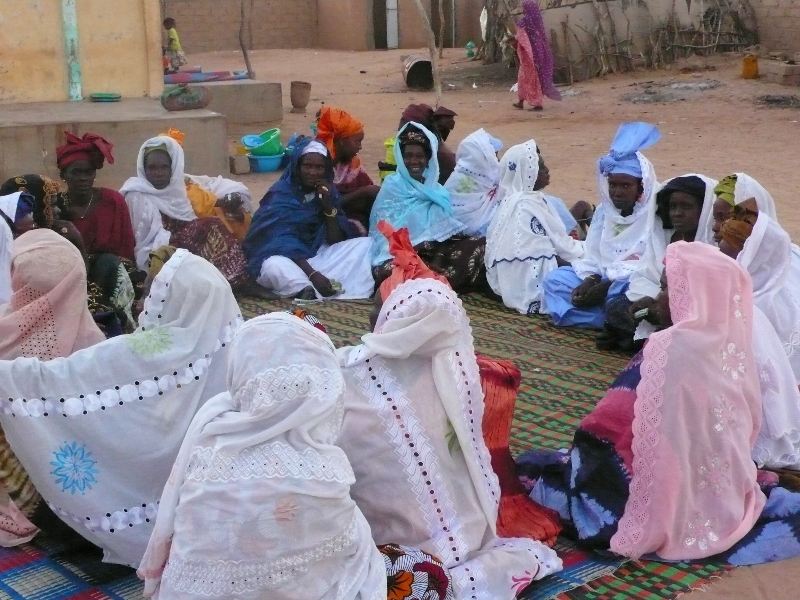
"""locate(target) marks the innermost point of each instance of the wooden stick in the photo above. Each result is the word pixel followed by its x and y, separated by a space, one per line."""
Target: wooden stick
pixel 441 29
pixel 437 80
pixel 567 53
pixel 245 51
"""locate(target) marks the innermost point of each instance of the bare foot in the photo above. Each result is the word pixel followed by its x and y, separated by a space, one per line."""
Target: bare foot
pixel 253 289
pixel 517 105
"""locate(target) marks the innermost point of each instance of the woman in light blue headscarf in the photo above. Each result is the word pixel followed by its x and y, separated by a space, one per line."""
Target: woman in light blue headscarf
pixel 617 238
pixel 413 198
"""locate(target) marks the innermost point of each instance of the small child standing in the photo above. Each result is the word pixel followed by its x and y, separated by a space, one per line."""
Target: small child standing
pixel 174 52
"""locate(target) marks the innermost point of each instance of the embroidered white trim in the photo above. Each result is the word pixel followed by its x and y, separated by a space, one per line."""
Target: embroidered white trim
pixel 230 578
pixel 158 291
pixel 269 460
pixel 286 384
pixel 416 456
pixel 465 371
pixel 118 521
pixel 119 395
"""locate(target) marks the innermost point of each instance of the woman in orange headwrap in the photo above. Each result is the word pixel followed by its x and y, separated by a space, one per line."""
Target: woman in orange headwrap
pixel 343 134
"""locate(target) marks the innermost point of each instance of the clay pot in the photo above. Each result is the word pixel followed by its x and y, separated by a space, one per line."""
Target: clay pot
pixel 301 95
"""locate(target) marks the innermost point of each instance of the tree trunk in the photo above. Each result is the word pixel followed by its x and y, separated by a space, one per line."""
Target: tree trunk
pixel 437 80
pixel 441 28
pixel 244 21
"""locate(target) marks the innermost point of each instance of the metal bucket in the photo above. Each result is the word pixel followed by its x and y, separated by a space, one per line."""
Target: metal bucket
pixel 418 72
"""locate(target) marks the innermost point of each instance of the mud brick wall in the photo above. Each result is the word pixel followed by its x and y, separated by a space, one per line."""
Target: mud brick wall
pixel 778 24
pixel 211 25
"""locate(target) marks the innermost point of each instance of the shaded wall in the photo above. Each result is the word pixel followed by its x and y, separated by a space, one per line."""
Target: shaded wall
pixel 212 25
pixel 119 49
pixel 778 23
pixel 345 25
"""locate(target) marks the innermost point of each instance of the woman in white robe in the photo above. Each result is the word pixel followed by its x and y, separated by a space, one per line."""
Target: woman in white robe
pixel 527 238
pixel 162 214
pixel 423 473
pixel 617 238
pixel 258 503
pixel 98 431
pixel 768 257
pixel 473 184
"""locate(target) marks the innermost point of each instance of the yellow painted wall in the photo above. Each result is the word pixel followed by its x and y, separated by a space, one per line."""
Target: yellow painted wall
pixel 119 48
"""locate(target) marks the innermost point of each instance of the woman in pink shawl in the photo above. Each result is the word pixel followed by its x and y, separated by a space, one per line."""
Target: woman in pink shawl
pixel 535 77
pixel 663 465
pixel 47 317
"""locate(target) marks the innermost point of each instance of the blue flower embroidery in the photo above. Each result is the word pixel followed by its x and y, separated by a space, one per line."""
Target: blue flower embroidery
pixel 512 166
pixel 536 227
pixel 74 469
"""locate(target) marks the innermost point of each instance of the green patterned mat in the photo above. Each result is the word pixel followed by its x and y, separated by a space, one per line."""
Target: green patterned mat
pixel 563 377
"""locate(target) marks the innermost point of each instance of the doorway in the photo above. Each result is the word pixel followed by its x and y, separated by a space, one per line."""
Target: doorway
pixel 379 24
pixel 385 24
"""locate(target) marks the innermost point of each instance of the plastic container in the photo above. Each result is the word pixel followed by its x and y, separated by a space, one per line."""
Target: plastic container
pixel 750 67
pixel 265 164
pixel 264 144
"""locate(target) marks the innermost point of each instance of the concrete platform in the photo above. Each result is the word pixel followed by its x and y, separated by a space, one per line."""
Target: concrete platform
pixel 29 134
pixel 779 72
pixel 246 101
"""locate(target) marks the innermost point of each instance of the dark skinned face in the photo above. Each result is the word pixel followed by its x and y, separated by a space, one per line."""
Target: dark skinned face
pixel 543 180
pixel 311 170
pixel 624 191
pixel 728 250
pixel 158 169
pixel 347 148
pixel 684 212
pixel 444 125
pixel 79 177
pixel 721 211
pixel 416 161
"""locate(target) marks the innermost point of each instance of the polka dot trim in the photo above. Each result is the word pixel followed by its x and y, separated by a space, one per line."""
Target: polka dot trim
pixel 113 522
pixel 119 395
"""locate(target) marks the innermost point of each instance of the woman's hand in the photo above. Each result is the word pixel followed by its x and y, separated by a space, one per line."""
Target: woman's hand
pixel 68 230
pixel 233 205
pixel 325 198
pixel 642 304
pixel 579 293
pixel 322 284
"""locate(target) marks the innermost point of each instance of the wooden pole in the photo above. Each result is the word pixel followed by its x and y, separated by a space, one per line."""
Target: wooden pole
pixel 245 51
pixel 437 80
pixel 441 29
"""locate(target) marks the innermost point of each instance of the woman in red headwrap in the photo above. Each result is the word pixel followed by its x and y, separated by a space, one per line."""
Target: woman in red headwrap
pixel 343 134
pixel 99 214
pixel 101 218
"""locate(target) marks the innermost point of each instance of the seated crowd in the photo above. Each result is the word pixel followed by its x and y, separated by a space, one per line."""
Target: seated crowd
pixel 276 464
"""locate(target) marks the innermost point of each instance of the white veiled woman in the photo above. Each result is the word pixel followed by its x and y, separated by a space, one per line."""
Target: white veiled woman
pixel 258 503
pixel 473 183
pixel 526 237
pixel 98 431
pixel 161 213
pixel 423 474
pixel 769 258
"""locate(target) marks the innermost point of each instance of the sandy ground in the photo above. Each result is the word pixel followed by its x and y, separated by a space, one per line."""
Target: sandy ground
pixel 714 132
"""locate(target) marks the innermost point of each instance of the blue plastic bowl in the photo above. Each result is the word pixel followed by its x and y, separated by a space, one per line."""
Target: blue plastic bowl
pixel 265 164
pixel 252 141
